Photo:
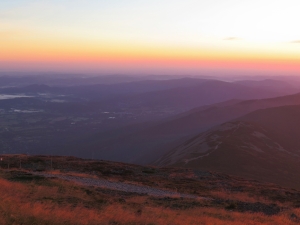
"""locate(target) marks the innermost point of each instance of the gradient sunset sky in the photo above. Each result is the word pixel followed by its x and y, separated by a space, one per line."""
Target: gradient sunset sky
pixel 150 37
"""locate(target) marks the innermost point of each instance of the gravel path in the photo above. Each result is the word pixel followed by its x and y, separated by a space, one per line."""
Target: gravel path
pixel 120 186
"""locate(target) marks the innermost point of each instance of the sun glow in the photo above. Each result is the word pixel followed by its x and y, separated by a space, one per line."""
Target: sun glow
pixel 161 34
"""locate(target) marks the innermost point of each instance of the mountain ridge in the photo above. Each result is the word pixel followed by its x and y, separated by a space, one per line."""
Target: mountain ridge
pixel 252 146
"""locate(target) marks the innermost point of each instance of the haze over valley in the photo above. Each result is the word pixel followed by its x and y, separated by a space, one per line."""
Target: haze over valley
pixel 149 112
pixel 136 119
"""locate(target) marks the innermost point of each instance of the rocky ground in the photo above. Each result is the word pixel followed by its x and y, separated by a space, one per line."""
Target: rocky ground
pixel 101 183
pixel 169 187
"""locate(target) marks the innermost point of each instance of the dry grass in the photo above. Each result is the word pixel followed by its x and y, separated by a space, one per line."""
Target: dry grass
pixel 240 196
pixel 31 203
pixel 34 201
pixel 74 174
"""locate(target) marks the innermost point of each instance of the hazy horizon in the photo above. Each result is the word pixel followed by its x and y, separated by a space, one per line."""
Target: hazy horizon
pixel 161 37
pixel 149 112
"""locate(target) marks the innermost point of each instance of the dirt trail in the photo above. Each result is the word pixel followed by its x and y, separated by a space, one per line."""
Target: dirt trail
pixel 121 186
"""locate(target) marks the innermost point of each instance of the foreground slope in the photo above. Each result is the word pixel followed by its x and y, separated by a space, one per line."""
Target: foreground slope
pixel 264 145
pixel 65 190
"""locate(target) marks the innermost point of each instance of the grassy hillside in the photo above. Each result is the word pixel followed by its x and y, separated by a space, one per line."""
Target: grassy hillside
pixel 28 199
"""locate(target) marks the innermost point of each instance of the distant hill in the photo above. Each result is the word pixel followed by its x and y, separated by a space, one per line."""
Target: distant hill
pixel 204 93
pixel 147 144
pixel 135 121
pixel 264 145
pixel 174 94
pixel 202 118
pixel 100 90
pixel 270 84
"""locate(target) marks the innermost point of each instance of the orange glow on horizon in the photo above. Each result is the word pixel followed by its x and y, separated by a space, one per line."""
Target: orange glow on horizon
pixel 128 55
pixel 164 64
pixel 189 35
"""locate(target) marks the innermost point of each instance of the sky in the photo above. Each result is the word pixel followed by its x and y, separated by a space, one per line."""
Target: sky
pixel 150 37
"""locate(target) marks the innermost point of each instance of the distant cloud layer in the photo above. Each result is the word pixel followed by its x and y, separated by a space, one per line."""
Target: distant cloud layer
pixel 232 39
pixel 296 42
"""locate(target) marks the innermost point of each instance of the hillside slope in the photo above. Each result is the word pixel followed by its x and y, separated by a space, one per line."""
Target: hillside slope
pixel 68 190
pixel 148 144
pixel 263 145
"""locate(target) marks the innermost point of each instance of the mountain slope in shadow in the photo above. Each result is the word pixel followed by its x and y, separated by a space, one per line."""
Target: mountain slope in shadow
pixel 166 135
pixel 263 145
